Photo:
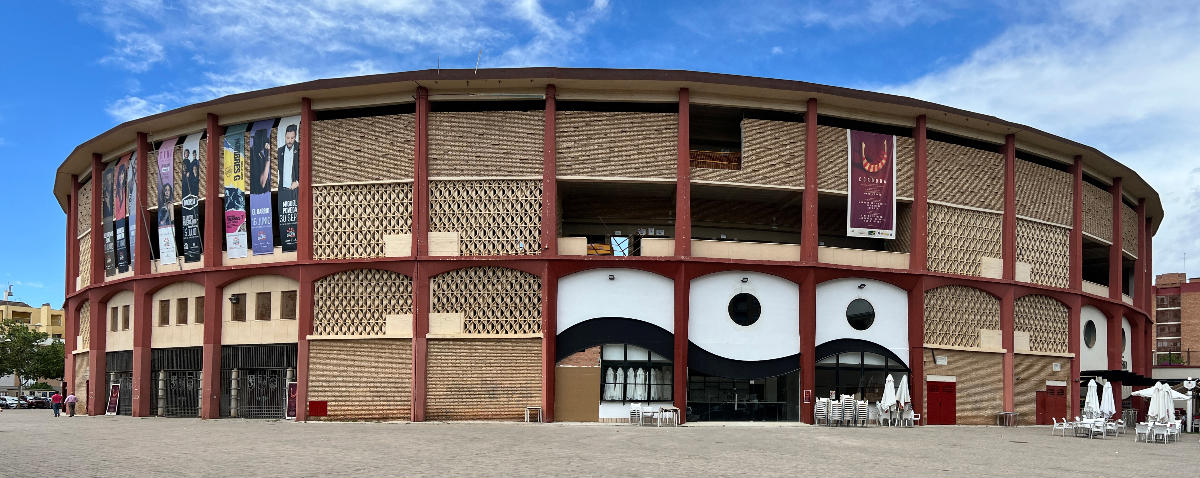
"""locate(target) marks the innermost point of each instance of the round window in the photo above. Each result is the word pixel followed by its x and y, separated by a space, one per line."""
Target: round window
pixel 860 314
pixel 744 309
pixel 1089 334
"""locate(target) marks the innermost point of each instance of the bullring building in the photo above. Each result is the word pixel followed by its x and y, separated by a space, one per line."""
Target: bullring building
pixel 458 244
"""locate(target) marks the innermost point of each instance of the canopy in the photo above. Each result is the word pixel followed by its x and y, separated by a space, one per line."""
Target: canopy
pixel 1107 407
pixel 902 396
pixel 1091 404
pixel 1149 392
pixel 888 402
pixel 1162 406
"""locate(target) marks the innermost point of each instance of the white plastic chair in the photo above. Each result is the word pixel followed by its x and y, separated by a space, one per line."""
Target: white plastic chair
pixel 1059 426
pixel 862 414
pixel 1096 428
pixel 1141 431
pixel 821 411
pixel 635 413
pixel 1173 430
pixel 1159 431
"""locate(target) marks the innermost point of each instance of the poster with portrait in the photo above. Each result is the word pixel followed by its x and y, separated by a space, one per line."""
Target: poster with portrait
pixel 114 398
pixel 871 208
pixel 261 227
pixel 234 168
pixel 287 144
pixel 131 206
pixel 166 202
pixel 289 413
pixel 189 199
pixel 106 206
pixel 121 212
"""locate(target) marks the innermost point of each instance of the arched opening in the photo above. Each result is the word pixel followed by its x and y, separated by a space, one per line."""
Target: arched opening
pixel 856 367
pixel 606 365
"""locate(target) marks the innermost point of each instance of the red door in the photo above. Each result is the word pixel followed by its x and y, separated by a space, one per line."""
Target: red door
pixel 1041 408
pixel 941 403
pixel 1056 403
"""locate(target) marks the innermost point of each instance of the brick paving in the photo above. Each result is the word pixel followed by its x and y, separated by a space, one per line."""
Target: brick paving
pixel 33 443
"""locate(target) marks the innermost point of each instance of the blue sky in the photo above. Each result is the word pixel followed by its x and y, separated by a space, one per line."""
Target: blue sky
pixel 1121 76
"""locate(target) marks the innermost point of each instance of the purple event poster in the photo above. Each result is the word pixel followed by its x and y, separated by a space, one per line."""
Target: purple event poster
pixel 166 202
pixel 871 208
pixel 261 227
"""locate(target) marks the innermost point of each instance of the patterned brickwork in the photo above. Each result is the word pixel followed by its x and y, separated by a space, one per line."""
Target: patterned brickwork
pixel 83 219
pixel 831 158
pixel 1129 230
pixel 1097 211
pixel 483 379
pixel 85 260
pixel 966 176
pixel 362 379
pixel 772 154
pixel 82 369
pixel 959 238
pixel 903 240
pixel 1044 193
pixel 150 163
pixel 492 217
pixel 979 392
pixel 351 220
pixel 357 302
pixel 1046 320
pixel 906 159
pixel 605 144
pixel 493 300
pixel 85 325
pixel 1030 373
pixel 954 315
pixel 372 148
pixel 1047 249
pixel 486 144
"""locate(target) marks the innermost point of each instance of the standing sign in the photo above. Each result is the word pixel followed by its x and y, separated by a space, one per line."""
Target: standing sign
pixel 235 189
pixel 114 394
pixel 871 208
pixel 121 212
pixel 190 198
pixel 106 201
pixel 287 139
pixel 166 202
pixel 290 412
pixel 261 229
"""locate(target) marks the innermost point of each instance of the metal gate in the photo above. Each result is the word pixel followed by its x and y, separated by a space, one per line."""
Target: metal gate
pixel 125 399
pixel 175 381
pixel 263 393
pixel 119 366
pixel 254 379
pixel 182 393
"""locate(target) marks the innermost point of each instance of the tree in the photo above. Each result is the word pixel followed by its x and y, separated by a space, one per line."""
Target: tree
pixel 48 361
pixel 19 350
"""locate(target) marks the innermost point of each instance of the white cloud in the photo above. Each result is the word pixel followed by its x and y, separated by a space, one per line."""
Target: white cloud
pixel 135 52
pixel 133 107
pixel 1115 75
pixel 776 50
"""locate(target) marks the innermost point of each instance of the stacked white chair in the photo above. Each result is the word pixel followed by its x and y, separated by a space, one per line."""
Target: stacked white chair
pixel 862 413
pixel 835 412
pixel 1141 431
pixel 821 411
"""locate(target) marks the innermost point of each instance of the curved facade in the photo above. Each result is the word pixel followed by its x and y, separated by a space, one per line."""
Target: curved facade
pixel 458 245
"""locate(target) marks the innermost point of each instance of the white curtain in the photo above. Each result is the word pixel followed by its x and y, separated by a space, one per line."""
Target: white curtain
pixel 630 384
pixel 612 387
pixel 641 385
pixel 655 388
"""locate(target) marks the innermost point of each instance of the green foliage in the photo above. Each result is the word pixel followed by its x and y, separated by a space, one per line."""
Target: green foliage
pixel 41 386
pixel 23 354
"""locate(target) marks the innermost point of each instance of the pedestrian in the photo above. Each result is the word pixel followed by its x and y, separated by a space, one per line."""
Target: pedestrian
pixel 56 402
pixel 71 399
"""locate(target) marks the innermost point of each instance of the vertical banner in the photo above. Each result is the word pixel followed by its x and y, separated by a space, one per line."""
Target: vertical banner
pixel 166 202
pixel 871 208
pixel 190 198
pixel 287 139
pixel 289 413
pixel 106 200
pixel 234 168
pixel 132 206
pixel 121 212
pixel 261 229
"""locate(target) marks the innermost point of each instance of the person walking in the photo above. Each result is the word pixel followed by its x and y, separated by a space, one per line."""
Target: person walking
pixel 71 399
pixel 56 403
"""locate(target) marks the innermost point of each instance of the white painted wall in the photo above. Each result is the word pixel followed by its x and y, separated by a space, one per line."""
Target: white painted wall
pixel 776 333
pixel 1096 357
pixel 121 339
pixel 253 331
pixel 621 410
pixel 632 294
pixel 1127 352
pixel 890 329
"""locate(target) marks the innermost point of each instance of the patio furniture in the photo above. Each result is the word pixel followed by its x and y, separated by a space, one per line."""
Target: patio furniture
pixel 1158 431
pixel 1096 428
pixel 1006 419
pixel 668 414
pixel 1063 425
pixel 1141 432
pixel 635 413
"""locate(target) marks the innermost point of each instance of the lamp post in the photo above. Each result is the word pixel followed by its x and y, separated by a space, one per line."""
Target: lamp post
pixel 1190 384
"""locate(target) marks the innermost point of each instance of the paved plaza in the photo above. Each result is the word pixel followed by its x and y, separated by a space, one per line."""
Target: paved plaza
pixel 32 443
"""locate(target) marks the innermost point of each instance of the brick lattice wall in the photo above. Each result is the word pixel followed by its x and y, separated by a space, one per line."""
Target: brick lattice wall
pixel 491 216
pixel 357 302
pixel 966 176
pixel 954 314
pixel 979 390
pixel 82 369
pixel 362 379
pixel 483 379
pixel 606 144
pixel 772 154
pixel 351 220
pixel 1044 193
pixel 1047 249
pixel 960 238
pixel 83 218
pixel 1046 320
pixel 372 148
pixel 486 143
pixel 1129 230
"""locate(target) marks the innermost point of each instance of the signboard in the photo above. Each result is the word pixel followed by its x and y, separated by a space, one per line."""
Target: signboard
pixel 808 396
pixel 166 202
pixel 106 208
pixel 121 212
pixel 287 141
pixel 261 230
pixel 290 412
pixel 189 198
pixel 114 394
pixel 871 167
pixel 234 168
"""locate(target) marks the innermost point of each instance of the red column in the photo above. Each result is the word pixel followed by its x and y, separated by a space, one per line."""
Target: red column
pixel 1114 252
pixel 808 346
pixel 420 227
pixel 683 178
pixel 1074 306
pixel 549 334
pixel 1114 350
pixel 304 212
pixel 97 221
pixel 1076 256
pixel 1009 227
pixel 304 314
pixel 97 365
pixel 920 207
pixel 809 238
pixel 549 177
pixel 213 220
pixel 1007 308
pixel 210 398
pixel 916 345
pixel 72 236
pixel 141 260
pixel 419 341
pixel 682 311
pixel 142 397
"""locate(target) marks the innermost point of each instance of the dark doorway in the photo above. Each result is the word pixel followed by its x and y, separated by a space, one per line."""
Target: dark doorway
pixel 769 399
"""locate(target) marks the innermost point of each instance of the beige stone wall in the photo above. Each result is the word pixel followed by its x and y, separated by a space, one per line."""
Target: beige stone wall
pixel 254 331
pixel 486 143
pixel 614 144
pixel 966 176
pixel 483 379
pixel 122 339
pixel 175 334
pixel 1030 373
pixel 979 389
pixel 368 379
pixel 1189 327
pixel 372 148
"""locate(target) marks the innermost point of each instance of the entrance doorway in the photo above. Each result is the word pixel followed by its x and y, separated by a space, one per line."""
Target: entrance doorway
pixel 940 402
pixel 1051 403
pixel 770 399
pixel 860 374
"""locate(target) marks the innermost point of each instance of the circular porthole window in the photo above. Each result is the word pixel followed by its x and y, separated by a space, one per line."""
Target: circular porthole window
pixel 744 309
pixel 860 314
pixel 1089 334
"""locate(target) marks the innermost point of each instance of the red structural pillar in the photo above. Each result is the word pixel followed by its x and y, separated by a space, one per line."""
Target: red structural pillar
pixel 304 212
pixel 97 220
pixel 142 397
pixel 919 228
pixel 97 365
pixel 1073 306
pixel 808 346
pixel 1007 308
pixel 1009 226
pixel 809 238
pixel 141 259
pixel 549 176
pixel 682 313
pixel 213 219
pixel 72 236
pixel 210 383
pixel 420 227
pixel 549 333
pixel 683 178
pixel 419 341
pixel 303 329
pixel 1114 349
pixel 1114 252
pixel 1076 245
pixel 916 345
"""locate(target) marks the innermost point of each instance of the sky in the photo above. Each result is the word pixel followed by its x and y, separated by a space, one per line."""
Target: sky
pixel 1122 76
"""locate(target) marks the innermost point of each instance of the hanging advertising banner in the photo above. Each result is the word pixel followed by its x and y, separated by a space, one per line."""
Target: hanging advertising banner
pixel 189 198
pixel 871 208
pixel 287 143
pixel 233 164
pixel 261 229
pixel 166 202
pixel 132 207
pixel 121 212
pixel 106 201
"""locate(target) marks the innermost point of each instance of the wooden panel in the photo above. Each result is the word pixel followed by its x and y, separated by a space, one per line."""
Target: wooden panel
pixel 772 154
pixel 966 176
pixel 576 394
pixel 1030 373
pixel 608 144
pixel 1044 193
pixel 979 389
pixel 362 379
pixel 486 143
pixel 483 379
pixel 371 148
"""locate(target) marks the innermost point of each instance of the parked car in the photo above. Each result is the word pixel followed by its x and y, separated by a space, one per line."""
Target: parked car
pixel 37 402
pixel 12 402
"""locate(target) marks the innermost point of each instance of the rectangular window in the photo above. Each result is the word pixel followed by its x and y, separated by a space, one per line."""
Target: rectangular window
pixel 55 321
pixel 237 307
pixel 287 305
pixel 199 303
pixel 164 312
pixel 124 317
pixel 112 319
pixel 262 306
pixel 181 311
